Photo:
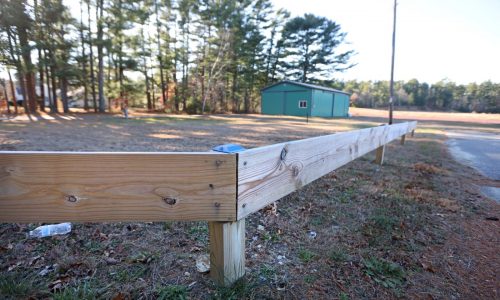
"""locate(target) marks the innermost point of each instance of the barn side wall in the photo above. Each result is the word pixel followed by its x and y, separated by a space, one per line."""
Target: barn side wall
pixel 322 103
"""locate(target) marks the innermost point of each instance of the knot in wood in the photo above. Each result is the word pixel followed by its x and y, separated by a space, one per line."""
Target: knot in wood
pixel 283 153
pixel 295 171
pixel 218 163
pixel 169 201
pixel 71 198
pixel 217 204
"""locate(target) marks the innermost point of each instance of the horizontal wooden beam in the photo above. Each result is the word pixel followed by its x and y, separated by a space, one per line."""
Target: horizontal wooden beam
pixel 75 186
pixel 268 173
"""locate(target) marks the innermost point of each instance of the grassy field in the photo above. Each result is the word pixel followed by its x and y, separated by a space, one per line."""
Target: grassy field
pixel 416 227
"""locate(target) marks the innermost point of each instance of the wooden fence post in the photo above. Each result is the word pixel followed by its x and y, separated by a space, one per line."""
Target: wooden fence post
pixel 379 159
pixel 403 138
pixel 412 133
pixel 227 241
pixel 227 251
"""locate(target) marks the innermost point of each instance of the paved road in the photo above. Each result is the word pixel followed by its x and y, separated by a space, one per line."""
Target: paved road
pixel 480 151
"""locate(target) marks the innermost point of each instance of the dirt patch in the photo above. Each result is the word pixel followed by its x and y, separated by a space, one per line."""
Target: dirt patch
pixel 415 227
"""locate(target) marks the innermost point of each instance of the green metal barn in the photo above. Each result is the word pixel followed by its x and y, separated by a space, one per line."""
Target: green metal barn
pixel 302 99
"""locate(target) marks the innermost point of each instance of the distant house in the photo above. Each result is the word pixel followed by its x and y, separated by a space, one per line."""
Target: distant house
pixel 302 99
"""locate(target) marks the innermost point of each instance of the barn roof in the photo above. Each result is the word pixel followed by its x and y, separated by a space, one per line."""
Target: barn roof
pixel 307 85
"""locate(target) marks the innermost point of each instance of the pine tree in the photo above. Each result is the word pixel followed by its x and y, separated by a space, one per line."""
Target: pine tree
pixel 310 43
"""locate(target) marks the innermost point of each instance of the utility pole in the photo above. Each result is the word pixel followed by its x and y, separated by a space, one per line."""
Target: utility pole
pixel 391 88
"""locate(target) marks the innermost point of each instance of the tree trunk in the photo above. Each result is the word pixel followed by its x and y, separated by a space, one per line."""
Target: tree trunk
pixel 51 100
pixel 153 98
pixel 91 58
pixel 2 82
pixel 160 57
pixel 246 103
pixel 54 108
pixel 21 79
pixel 64 93
pixel 146 77
pixel 100 58
pixel 120 49
pixel 28 74
pixel 13 91
pixel 40 60
pixel 19 67
pixel 235 107
pixel 42 88
pixel 185 67
pixel 174 75
pixel 84 62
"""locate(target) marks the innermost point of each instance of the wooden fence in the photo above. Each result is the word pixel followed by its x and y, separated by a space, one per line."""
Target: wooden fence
pixel 221 188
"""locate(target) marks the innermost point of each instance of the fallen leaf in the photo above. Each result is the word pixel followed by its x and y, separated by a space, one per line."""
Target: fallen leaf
pixel 59 283
pixel 111 261
pixel 195 249
pixel 428 267
pixel 448 204
pixel 12 267
pixel 203 263
pixel 120 296
pixel 33 260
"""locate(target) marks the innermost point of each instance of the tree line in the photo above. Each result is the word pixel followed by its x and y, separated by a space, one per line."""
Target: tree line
pixel 170 55
pixel 442 95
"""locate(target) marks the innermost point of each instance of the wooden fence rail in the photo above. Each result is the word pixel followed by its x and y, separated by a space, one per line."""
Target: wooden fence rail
pixel 266 174
pixel 93 186
pixel 206 186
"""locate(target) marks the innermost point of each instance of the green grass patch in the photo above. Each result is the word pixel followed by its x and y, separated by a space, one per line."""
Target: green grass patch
pixel 346 195
pixel 338 254
pixel 309 279
pixel 83 291
pixel 306 255
pixel 241 289
pixel 172 292
pixel 267 272
pixel 12 287
pixel 385 273
pixel 343 296
pixel 198 231
pixel 384 220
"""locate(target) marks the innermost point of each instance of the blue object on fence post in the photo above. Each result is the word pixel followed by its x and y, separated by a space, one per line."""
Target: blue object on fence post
pixel 228 148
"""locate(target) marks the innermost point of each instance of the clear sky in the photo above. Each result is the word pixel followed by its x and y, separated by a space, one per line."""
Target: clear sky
pixel 435 39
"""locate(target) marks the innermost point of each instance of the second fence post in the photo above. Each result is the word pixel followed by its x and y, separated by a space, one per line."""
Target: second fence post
pixel 403 138
pixel 379 158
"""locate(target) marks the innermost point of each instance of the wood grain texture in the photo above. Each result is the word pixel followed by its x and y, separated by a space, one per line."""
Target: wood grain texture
pixel 227 251
pixel 268 173
pixel 67 186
